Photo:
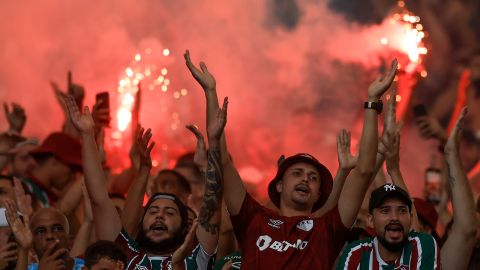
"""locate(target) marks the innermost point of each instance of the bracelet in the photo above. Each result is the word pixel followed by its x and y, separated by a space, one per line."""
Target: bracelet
pixel 376 105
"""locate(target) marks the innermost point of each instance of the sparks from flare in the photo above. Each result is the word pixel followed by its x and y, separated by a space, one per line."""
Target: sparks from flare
pixel 141 70
pixel 406 35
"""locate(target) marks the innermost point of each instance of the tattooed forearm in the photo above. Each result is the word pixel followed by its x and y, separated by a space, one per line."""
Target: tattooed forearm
pixel 212 199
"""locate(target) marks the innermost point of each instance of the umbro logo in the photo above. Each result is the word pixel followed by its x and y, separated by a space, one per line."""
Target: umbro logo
pixel 275 223
pixel 305 225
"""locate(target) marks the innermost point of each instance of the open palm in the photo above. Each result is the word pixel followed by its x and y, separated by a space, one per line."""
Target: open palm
pixel 382 83
pixel 215 127
pixel 203 77
pixel 200 157
pixel 345 159
pixel 20 230
pixel 145 147
pixel 83 122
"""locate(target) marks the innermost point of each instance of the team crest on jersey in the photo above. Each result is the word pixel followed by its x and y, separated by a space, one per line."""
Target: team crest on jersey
pixel 275 223
pixel 140 267
pixel 305 225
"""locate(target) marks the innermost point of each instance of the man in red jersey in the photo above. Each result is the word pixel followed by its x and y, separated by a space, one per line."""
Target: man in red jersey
pixel 303 234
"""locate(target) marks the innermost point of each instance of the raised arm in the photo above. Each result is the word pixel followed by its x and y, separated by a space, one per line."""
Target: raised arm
pixel 226 241
pixel 458 248
pixel 82 239
pixel 234 190
pixel 107 220
pixel 346 162
pixel 210 212
pixel 78 93
pixel 21 231
pixel 70 200
pixel 208 83
pixel 200 157
pixel 132 213
pixel 16 117
pixel 354 191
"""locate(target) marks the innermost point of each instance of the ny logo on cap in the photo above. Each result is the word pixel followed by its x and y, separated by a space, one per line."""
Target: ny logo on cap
pixel 389 187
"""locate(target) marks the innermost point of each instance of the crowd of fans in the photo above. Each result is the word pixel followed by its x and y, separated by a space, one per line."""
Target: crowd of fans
pixel 61 208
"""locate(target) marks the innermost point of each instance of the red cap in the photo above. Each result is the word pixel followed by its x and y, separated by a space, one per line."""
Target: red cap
pixel 63 146
pixel 284 164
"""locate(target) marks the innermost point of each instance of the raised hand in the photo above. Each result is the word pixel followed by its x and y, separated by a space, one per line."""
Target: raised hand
pixel 59 95
pixel 133 154
pixel 75 90
pixel 382 83
pixel 203 77
pixel 215 127
pixel 390 117
pixel 186 248
pixel 453 143
pixel 390 128
pixel 346 160
pixel 24 201
pixel 145 148
pixel 83 122
pixel 20 229
pixel 431 128
pixel 16 117
pixel 8 254
pixel 200 157
pixel 52 258
pixel 393 154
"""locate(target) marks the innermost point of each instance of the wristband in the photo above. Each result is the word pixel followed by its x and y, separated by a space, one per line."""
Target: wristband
pixel 376 105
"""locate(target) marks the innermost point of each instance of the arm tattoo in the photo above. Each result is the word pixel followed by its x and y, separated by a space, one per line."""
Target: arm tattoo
pixel 212 199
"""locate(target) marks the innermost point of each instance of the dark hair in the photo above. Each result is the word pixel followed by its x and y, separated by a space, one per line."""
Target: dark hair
pixel 185 159
pixel 103 249
pixel 183 182
pixel 7 177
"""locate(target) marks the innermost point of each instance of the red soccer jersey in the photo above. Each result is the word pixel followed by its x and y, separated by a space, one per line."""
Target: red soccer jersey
pixel 271 241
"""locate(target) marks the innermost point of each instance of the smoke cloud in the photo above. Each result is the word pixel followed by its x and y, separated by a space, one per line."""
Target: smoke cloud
pixel 295 72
